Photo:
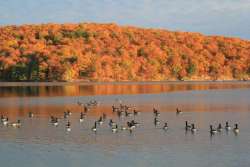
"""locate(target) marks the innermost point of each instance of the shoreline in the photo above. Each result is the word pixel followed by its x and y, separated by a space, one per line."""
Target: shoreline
pixel 69 83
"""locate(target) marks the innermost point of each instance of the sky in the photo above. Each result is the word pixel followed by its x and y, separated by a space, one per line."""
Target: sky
pixel 211 17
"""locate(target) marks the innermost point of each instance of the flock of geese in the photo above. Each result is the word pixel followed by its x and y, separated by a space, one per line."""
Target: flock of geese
pixel 122 111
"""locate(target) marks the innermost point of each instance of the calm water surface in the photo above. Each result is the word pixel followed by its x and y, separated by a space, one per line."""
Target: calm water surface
pixel 38 143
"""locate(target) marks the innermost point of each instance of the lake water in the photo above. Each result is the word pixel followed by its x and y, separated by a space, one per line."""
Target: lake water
pixel 38 143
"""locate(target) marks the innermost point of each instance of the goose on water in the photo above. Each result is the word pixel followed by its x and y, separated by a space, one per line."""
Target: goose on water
pixel 227 127
pixel 187 126
pixel 165 127
pixel 68 127
pixel 212 131
pixel 236 128
pixel 193 129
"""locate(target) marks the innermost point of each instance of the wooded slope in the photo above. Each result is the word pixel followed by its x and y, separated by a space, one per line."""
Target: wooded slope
pixel 108 52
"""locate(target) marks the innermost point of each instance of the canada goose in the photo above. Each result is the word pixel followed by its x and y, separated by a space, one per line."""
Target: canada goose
pixel 94 128
pixel 100 121
pixel 178 111
pixel 227 127
pixel 68 127
pixel 112 123
pixel 31 115
pixel 114 129
pixel 131 125
pixel 5 121
pixel 236 129
pixel 65 115
pixel 212 131
pixel 16 124
pixel 165 127
pixel 69 112
pixel 187 127
pixel 82 116
pixel 219 128
pixel 193 129
pixel 156 122
pixel 54 121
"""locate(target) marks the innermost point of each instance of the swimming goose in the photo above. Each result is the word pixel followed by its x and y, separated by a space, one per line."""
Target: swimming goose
pixel 69 112
pixel 178 111
pixel 115 129
pixel 227 127
pixel 5 121
pixel 65 115
pixel 68 127
pixel 165 127
pixel 212 131
pixel 54 121
pixel 31 115
pixel 100 121
pixel 130 125
pixel 187 127
pixel 193 129
pixel 156 122
pixel 16 124
pixel 82 116
pixel 112 123
pixel 236 129
pixel 94 128
pixel 219 128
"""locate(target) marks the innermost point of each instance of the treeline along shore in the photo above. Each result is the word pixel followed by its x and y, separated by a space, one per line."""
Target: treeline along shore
pixel 108 52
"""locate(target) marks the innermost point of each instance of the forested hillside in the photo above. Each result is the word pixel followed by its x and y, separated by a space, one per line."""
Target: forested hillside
pixel 108 52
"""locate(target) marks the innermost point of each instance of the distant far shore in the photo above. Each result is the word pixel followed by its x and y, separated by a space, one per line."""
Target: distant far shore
pixel 90 53
pixel 79 82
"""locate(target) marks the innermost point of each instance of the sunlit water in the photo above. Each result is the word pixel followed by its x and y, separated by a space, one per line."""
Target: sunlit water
pixel 38 143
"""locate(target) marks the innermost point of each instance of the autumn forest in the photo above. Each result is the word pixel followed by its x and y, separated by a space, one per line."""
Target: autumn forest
pixel 108 52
